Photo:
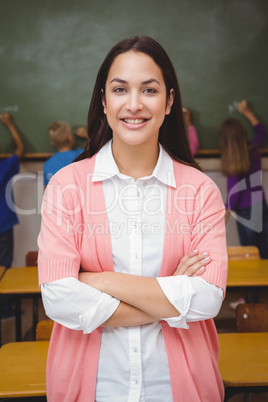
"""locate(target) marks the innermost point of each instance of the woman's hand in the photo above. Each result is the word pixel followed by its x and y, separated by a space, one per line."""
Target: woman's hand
pixel 192 264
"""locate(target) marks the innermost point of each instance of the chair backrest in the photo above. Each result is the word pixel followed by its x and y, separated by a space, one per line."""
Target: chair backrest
pixel 31 258
pixel 43 330
pixel 243 253
pixel 252 317
pixel 2 271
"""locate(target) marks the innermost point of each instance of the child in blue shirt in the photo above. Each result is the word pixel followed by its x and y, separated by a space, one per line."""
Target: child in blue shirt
pixel 9 167
pixel 61 136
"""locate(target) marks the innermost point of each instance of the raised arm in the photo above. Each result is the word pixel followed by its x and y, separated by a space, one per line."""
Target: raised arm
pixel 245 110
pixel 9 123
pixel 260 132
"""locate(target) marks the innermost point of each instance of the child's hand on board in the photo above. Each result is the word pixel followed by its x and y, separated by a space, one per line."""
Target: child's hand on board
pixel 243 107
pixel 192 264
pixel 81 132
pixel 6 119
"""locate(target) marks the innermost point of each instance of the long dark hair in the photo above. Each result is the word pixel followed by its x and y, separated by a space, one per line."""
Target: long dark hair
pixel 172 133
pixel 234 148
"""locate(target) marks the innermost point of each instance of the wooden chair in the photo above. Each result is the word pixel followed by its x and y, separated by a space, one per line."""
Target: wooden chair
pixel 2 271
pixel 31 259
pixel 243 253
pixel 236 253
pixel 252 317
pixel 44 329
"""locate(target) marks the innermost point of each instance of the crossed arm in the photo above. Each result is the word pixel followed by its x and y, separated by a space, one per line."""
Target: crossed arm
pixel 142 299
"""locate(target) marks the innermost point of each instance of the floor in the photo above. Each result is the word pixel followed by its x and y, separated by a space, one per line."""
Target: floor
pixel 225 322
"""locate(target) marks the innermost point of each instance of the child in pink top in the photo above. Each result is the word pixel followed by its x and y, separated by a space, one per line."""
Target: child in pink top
pixel 193 138
pixel 132 251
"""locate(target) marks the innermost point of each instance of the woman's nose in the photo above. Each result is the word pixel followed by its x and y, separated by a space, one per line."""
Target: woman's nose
pixel 134 102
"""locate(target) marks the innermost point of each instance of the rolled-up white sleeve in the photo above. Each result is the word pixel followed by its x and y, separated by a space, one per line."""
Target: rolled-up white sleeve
pixel 193 297
pixel 76 305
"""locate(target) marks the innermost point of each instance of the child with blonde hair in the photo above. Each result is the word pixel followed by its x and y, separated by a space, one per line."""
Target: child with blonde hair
pixel 61 136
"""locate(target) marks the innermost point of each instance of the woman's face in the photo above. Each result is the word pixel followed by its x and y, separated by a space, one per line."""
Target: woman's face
pixel 135 99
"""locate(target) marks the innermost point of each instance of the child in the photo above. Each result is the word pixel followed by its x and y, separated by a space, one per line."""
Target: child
pixel 123 249
pixel 61 136
pixel 193 138
pixel 8 218
pixel 241 163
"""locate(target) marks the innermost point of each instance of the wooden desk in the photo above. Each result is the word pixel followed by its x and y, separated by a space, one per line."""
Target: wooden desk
pixel 243 273
pixel 21 282
pixel 244 362
pixel 23 369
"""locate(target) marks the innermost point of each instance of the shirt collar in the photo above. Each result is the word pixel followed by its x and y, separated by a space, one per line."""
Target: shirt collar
pixel 105 166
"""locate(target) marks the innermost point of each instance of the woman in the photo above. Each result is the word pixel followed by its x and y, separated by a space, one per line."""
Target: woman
pixel 123 249
pixel 241 163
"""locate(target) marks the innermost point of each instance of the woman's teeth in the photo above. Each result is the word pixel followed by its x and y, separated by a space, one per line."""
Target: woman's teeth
pixel 134 121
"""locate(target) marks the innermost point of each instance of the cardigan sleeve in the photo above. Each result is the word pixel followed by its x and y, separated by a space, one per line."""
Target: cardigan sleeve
pixel 208 232
pixel 58 256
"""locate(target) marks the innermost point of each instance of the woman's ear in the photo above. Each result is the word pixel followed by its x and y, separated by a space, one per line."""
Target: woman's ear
pixel 103 101
pixel 170 101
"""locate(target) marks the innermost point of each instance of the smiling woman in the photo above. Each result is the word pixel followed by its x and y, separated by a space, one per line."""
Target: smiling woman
pixel 135 103
pixel 124 266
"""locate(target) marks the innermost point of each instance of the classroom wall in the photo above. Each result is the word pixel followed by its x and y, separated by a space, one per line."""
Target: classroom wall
pixel 28 189
pixel 50 52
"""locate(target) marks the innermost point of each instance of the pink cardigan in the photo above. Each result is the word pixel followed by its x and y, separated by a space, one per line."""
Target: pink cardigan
pixel 194 219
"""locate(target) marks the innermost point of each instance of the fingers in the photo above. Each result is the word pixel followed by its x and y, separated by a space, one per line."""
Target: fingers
pixel 193 264
pixel 81 132
pixel 6 118
pixel 242 106
pixel 196 269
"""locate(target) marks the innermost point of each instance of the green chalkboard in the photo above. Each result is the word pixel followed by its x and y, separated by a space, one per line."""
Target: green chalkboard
pixel 50 52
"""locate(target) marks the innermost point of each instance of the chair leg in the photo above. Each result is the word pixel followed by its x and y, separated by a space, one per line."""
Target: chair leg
pixel 247 397
pixel 35 312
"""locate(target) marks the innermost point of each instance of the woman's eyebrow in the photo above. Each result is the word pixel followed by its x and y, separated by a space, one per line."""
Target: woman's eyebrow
pixel 150 81
pixel 118 80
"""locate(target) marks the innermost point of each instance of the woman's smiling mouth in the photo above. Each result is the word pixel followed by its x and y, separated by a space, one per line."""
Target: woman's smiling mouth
pixel 134 121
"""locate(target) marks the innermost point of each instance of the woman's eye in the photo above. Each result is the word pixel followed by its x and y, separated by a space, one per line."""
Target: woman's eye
pixel 119 90
pixel 150 91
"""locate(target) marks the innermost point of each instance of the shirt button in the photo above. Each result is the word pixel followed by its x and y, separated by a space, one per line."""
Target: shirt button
pixel 135 350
